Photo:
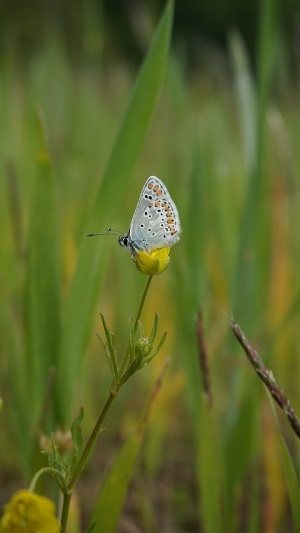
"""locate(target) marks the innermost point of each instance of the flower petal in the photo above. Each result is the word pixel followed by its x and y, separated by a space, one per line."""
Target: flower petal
pixel 28 512
pixel 153 262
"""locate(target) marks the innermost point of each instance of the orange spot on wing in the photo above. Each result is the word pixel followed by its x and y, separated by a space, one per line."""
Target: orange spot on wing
pixel 155 188
pixel 150 185
pixel 159 193
pixel 157 204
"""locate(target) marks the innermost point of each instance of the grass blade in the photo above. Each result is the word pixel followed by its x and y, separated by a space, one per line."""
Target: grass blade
pixel 43 297
pixel 253 253
pixel 209 472
pixel 290 473
pixel 246 96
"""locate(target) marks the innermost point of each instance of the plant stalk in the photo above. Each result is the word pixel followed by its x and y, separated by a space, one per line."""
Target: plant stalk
pixel 97 429
pixel 138 316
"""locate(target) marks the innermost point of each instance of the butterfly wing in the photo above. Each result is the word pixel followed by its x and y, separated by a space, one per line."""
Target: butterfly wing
pixel 155 223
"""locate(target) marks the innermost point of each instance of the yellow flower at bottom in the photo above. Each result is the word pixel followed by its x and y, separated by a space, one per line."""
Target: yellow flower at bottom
pixel 154 262
pixel 27 512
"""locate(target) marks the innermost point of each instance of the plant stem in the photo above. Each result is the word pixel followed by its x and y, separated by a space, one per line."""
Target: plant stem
pixel 47 470
pixel 84 459
pixel 97 429
pixel 65 512
pixel 138 316
pixel 92 441
pixel 267 378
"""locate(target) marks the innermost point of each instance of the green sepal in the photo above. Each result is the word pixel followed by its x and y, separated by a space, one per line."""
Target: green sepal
pixel 159 346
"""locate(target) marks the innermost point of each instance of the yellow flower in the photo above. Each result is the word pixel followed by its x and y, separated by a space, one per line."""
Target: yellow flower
pixel 27 512
pixel 153 262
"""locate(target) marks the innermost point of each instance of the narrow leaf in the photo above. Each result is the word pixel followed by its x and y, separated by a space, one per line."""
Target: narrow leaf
pixel 131 341
pixel 76 432
pixel 108 335
pixel 154 329
pixel 290 473
pixel 157 349
pixel 106 349
pixel 43 298
pixel 209 471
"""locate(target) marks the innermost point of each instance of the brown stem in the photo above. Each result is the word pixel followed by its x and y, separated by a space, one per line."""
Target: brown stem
pixel 267 377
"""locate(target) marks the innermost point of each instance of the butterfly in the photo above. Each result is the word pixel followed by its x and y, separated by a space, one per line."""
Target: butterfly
pixel 155 223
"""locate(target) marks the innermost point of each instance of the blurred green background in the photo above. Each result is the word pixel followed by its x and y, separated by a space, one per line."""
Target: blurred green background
pixel 224 138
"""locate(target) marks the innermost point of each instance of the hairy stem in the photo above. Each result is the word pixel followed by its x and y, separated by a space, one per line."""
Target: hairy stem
pixel 138 316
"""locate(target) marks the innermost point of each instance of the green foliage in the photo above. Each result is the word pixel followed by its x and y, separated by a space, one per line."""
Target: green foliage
pixel 115 487
pixel 139 351
pixel 226 143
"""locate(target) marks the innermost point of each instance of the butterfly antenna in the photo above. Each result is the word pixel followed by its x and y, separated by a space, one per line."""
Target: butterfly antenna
pixel 109 232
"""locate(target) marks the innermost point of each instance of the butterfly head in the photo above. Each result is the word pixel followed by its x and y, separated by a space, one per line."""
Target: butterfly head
pixel 126 242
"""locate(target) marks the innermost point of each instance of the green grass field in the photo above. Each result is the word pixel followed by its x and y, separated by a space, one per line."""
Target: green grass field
pixel 205 452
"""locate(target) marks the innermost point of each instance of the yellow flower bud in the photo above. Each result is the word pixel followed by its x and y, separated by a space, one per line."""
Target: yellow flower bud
pixel 154 262
pixel 28 512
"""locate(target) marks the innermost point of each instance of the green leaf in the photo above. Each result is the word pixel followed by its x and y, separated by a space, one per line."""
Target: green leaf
pixel 106 349
pixel 114 490
pixel 245 96
pixel 250 280
pixel 43 297
pixel 209 472
pixel 108 336
pixel 110 349
pixel 157 349
pixel 289 470
pixel 131 341
pixel 154 329
pixel 116 181
pixel 58 461
pixel 76 432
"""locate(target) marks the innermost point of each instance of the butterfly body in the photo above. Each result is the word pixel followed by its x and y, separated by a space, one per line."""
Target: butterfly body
pixel 155 223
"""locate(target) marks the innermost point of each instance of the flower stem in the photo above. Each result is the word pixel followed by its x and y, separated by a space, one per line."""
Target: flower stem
pixel 84 459
pixel 140 309
pixel 54 473
pixel 92 441
pixel 65 512
pixel 138 316
pixel 97 429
